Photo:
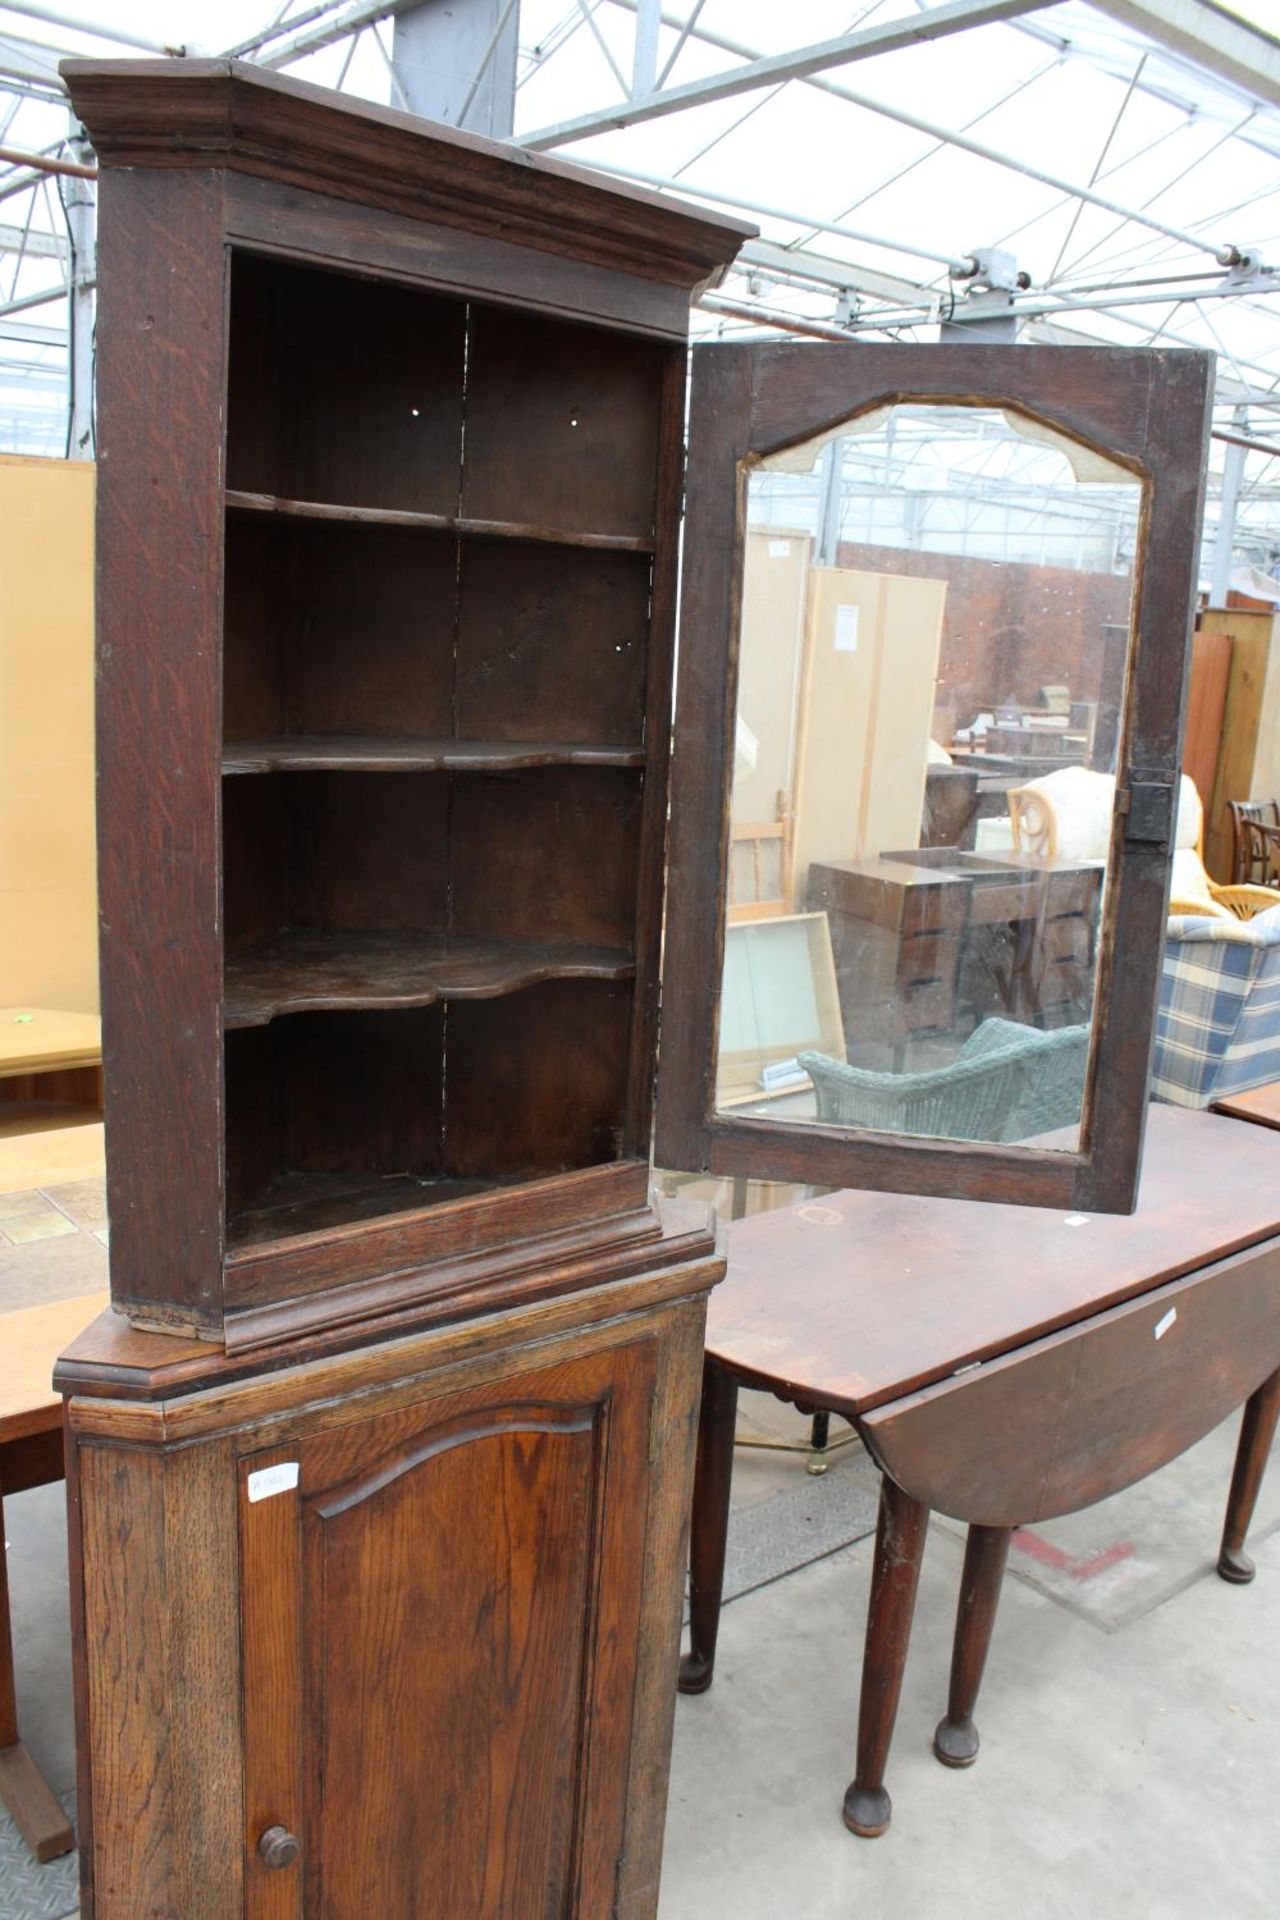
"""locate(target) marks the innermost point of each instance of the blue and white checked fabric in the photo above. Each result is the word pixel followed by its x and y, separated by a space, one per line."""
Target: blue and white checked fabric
pixel 1218 1024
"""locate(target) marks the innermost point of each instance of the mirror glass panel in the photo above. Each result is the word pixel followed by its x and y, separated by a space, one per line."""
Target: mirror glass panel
pixel 934 642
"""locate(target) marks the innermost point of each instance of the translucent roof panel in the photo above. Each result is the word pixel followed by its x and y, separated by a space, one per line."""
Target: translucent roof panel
pixel 1130 186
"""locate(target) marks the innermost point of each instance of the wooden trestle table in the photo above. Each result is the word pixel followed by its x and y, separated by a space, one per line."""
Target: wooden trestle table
pixel 1003 1365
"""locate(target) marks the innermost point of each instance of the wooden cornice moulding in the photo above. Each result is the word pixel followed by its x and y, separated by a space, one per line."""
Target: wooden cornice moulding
pixel 226 113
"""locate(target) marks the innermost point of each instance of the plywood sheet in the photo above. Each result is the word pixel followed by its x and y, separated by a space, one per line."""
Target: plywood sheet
pixel 48 893
pixel 866 712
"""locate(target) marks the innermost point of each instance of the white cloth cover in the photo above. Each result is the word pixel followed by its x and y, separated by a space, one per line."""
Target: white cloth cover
pixel 1082 802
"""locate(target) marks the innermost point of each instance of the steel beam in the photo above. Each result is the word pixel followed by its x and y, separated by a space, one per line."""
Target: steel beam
pixel 644 69
pixel 30 300
pixel 759 316
pixel 1208 36
pixel 82 227
pixel 17 63
pixel 840 275
pixel 957 16
pixel 278 29
pixel 54 17
pixel 954 263
pixel 965 145
pixel 30 333
pixel 1224 538
pixel 456 61
pixel 365 13
pixel 38 246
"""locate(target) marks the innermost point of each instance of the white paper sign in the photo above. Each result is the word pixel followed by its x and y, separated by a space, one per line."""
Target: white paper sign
pixel 269 1480
pixel 846 629
pixel 779 549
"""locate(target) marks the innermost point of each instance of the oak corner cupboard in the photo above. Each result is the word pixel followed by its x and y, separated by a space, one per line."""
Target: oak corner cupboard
pixel 395 1412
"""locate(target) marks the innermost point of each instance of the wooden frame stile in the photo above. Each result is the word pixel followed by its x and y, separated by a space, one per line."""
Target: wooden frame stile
pixel 158 814
pixel 1146 411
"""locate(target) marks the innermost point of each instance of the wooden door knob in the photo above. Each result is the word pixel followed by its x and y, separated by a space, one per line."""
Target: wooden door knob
pixel 279 1847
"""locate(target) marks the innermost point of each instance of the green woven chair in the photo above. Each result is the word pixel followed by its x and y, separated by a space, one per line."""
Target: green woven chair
pixel 1007 1083
pixel 1051 1068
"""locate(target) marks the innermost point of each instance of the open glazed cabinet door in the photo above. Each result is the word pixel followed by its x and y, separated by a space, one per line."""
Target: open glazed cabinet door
pixel 919 996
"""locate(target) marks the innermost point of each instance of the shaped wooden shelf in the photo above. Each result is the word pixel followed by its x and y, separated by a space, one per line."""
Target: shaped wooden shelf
pixel 269 503
pixel 373 753
pixel 298 1203
pixel 317 971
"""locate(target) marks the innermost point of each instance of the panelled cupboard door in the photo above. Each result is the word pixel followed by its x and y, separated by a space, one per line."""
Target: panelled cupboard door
pixel 440 1627
pixel 935 627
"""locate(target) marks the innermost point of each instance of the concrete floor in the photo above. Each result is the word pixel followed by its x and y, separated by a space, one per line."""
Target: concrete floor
pixel 1130 1715
pixel 1130 1720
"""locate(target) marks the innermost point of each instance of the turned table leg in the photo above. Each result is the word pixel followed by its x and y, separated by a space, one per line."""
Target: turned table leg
pixel 819 1441
pixel 709 1527
pixel 986 1551
pixel 900 1531
pixel 1257 1431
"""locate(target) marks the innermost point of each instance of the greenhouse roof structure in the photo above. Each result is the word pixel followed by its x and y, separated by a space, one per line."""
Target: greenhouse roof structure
pixel 1053 170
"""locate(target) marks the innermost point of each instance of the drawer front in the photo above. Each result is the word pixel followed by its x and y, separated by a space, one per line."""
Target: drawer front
pixel 1072 1418
pixel 929 957
pixel 995 901
pixel 937 909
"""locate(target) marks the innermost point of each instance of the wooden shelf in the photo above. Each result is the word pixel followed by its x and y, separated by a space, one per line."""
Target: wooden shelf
pixel 372 753
pixel 270 503
pixel 318 1202
pixel 315 971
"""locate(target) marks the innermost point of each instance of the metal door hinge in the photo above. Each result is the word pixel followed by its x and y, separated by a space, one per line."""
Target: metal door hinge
pixel 1147 806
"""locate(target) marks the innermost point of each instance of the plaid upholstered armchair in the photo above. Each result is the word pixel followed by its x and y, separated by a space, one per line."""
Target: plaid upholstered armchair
pixel 1218 1025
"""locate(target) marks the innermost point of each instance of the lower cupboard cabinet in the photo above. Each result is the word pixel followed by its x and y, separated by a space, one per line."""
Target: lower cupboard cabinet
pixel 393 1632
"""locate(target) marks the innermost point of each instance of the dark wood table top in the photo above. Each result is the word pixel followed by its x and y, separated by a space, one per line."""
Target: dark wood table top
pixel 856 1299
pixel 1260 1104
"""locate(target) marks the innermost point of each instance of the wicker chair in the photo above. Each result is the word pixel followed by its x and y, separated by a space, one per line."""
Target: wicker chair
pixel 1051 1070
pixel 1191 889
pixel 1006 1083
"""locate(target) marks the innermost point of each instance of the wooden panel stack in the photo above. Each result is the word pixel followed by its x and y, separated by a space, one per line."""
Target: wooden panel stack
pixel 1248 763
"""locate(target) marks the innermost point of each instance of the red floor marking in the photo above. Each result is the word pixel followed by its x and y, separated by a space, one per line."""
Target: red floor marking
pixel 1095 1563
pixel 1086 1568
pixel 1043 1550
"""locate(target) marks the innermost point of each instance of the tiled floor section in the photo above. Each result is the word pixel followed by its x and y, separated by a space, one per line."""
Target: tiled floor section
pixel 53 1246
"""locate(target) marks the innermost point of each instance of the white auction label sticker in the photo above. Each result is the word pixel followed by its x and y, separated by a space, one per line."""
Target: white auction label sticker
pixel 1163 1326
pixel 269 1480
